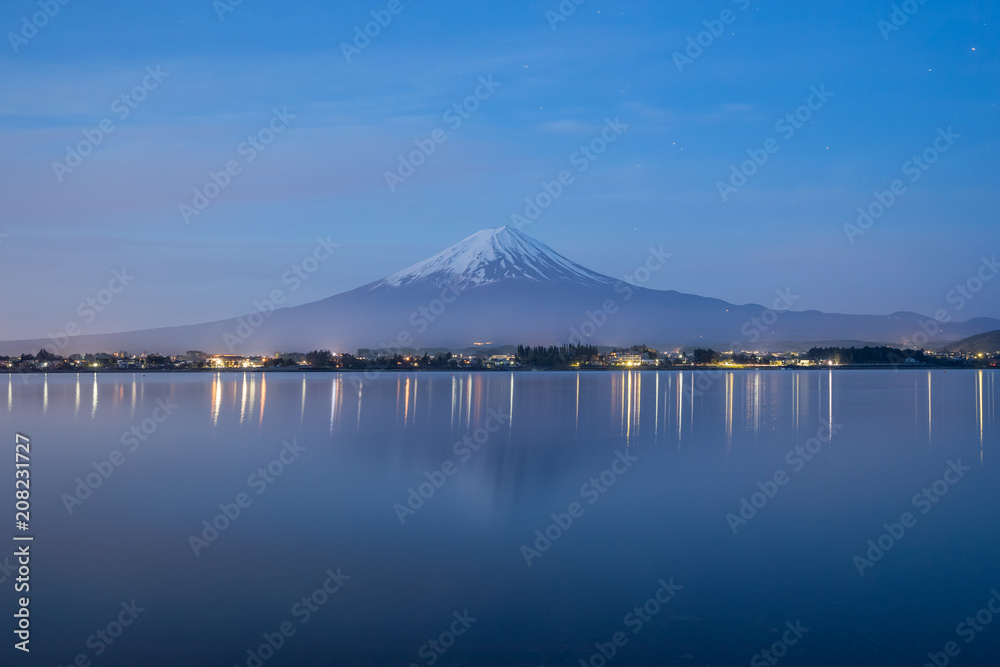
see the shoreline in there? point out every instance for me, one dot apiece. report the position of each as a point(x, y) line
point(538, 369)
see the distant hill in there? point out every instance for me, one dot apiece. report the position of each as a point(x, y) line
point(984, 342)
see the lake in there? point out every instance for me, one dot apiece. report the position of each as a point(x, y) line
point(820, 517)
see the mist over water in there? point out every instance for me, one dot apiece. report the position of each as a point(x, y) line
point(512, 518)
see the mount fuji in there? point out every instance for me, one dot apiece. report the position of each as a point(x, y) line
point(501, 286)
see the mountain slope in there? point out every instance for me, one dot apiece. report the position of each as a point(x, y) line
point(986, 343)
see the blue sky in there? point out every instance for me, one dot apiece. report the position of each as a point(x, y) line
point(657, 184)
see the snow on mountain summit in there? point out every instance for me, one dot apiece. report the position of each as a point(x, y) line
point(491, 255)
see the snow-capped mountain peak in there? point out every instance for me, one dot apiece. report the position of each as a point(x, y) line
point(492, 255)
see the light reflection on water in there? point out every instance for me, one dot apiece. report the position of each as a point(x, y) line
point(701, 442)
point(675, 401)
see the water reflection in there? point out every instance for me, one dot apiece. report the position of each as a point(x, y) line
point(979, 410)
point(730, 382)
point(510, 416)
point(753, 403)
point(688, 406)
point(680, 407)
point(406, 402)
point(263, 398)
point(361, 384)
point(656, 400)
point(510, 407)
point(253, 391)
point(629, 402)
point(576, 418)
point(454, 399)
point(930, 412)
point(243, 398)
point(829, 391)
point(507, 489)
point(691, 411)
point(468, 402)
point(335, 400)
point(216, 398)
point(796, 378)
point(302, 411)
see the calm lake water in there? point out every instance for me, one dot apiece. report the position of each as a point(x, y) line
point(689, 528)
